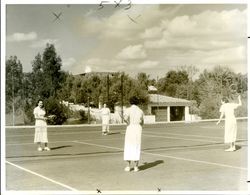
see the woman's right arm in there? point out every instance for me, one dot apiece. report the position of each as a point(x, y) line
point(221, 115)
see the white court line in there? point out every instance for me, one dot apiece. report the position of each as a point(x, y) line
point(184, 135)
point(99, 145)
point(197, 140)
point(201, 140)
point(167, 156)
point(197, 161)
point(39, 175)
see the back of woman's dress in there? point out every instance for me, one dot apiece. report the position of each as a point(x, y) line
point(132, 146)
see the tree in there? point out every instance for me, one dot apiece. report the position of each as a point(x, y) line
point(14, 80)
point(65, 93)
point(44, 82)
point(188, 87)
point(37, 76)
point(170, 83)
point(143, 79)
point(51, 69)
point(212, 86)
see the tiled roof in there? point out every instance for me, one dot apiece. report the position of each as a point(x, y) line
point(166, 100)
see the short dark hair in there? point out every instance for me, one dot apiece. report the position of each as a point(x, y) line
point(134, 100)
point(225, 99)
point(40, 100)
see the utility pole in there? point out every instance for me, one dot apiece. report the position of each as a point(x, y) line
point(88, 112)
point(157, 85)
point(13, 97)
point(108, 90)
point(122, 78)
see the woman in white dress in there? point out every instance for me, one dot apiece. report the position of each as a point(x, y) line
point(105, 112)
point(133, 116)
point(40, 127)
point(227, 109)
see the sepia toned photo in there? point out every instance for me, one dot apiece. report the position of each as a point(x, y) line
point(124, 97)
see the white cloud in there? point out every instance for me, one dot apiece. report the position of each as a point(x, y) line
point(99, 65)
point(148, 64)
point(132, 52)
point(226, 56)
point(119, 25)
point(209, 30)
point(43, 42)
point(18, 37)
point(88, 69)
point(154, 32)
point(67, 63)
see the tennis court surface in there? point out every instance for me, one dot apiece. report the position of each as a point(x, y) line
point(175, 157)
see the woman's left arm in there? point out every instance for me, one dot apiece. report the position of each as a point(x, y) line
point(239, 99)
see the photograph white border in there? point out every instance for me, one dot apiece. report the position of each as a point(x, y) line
point(3, 60)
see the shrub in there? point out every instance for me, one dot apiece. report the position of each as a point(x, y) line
point(83, 115)
point(56, 112)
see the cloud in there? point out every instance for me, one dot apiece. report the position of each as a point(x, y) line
point(88, 69)
point(148, 64)
point(119, 25)
point(231, 55)
point(154, 32)
point(68, 63)
point(99, 65)
point(18, 37)
point(208, 30)
point(43, 42)
point(132, 52)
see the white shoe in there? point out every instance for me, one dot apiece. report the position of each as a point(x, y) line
point(47, 148)
point(39, 149)
point(127, 169)
point(136, 169)
point(230, 149)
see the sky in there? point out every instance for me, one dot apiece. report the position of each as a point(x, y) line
point(150, 38)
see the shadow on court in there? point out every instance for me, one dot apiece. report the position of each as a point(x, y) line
point(113, 133)
point(60, 147)
point(238, 147)
point(150, 165)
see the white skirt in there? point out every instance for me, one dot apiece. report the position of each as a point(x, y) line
point(105, 119)
point(132, 146)
point(41, 132)
point(230, 130)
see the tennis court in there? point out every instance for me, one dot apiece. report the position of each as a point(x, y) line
point(175, 157)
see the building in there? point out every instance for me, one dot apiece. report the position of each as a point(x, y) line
point(168, 109)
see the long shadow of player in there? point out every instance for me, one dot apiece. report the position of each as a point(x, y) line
point(150, 165)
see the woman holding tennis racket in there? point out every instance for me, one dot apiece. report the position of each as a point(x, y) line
point(227, 109)
point(40, 127)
